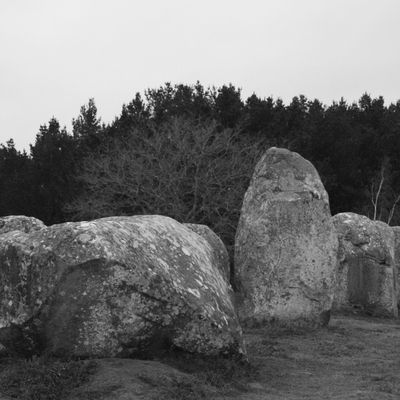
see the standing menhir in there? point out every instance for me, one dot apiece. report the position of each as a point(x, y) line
point(366, 277)
point(286, 245)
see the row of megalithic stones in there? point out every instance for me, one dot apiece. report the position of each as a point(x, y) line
point(133, 286)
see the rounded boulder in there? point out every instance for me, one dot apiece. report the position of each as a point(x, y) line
point(117, 286)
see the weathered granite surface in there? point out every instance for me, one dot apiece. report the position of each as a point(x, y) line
point(366, 276)
point(118, 286)
point(286, 245)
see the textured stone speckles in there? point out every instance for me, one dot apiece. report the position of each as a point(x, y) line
point(83, 238)
point(119, 286)
point(285, 247)
point(366, 270)
point(20, 223)
point(215, 247)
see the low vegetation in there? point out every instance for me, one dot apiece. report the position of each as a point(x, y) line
point(206, 379)
point(355, 357)
point(42, 378)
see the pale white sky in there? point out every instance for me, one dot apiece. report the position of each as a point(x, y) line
point(56, 54)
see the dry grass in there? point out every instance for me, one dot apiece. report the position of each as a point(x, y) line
point(354, 358)
point(41, 378)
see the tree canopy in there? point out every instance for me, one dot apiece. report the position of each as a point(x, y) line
point(188, 152)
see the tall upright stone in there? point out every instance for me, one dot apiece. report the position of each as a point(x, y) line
point(286, 245)
point(366, 270)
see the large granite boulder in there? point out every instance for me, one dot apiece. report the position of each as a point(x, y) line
point(365, 278)
point(20, 223)
point(118, 286)
point(286, 245)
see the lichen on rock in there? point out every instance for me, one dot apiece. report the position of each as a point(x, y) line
point(366, 269)
point(215, 247)
point(20, 223)
point(118, 286)
point(285, 246)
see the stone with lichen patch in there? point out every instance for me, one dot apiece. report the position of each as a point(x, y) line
point(285, 246)
point(20, 223)
point(366, 265)
point(117, 286)
point(215, 247)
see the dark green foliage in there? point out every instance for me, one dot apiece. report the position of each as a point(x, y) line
point(53, 169)
point(228, 106)
point(87, 125)
point(353, 146)
point(180, 101)
point(16, 188)
point(259, 115)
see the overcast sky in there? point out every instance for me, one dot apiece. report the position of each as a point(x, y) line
point(56, 54)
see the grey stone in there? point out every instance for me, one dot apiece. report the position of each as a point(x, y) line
point(365, 277)
point(216, 247)
point(20, 223)
point(118, 286)
point(286, 245)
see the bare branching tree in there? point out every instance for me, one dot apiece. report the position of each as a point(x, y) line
point(193, 172)
point(375, 193)
point(392, 209)
point(383, 197)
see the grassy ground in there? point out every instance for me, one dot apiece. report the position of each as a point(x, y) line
point(354, 358)
point(42, 379)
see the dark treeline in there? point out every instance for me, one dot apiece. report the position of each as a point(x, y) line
point(189, 152)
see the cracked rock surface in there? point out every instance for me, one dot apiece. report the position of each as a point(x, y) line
point(286, 245)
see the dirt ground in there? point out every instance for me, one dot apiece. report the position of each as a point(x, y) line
point(353, 358)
